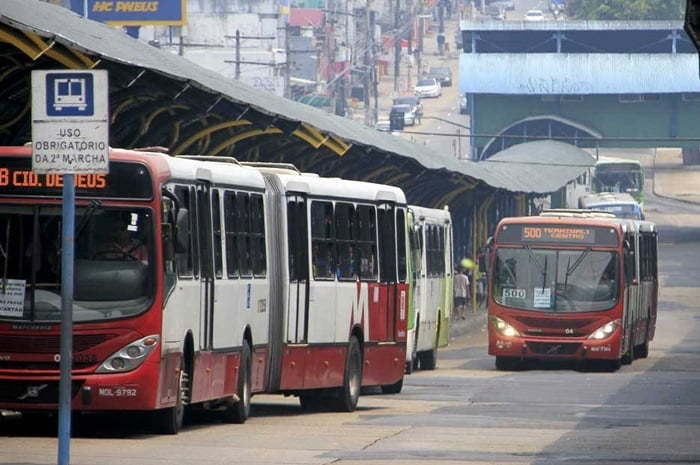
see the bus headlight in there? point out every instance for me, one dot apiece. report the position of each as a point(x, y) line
point(130, 356)
point(604, 331)
point(504, 328)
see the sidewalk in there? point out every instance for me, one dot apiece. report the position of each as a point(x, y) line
point(675, 180)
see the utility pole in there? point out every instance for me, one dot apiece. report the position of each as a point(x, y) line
point(397, 44)
point(287, 62)
point(411, 20)
point(373, 69)
point(367, 68)
point(419, 58)
point(238, 54)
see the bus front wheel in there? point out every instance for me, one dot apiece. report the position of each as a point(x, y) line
point(348, 394)
point(170, 420)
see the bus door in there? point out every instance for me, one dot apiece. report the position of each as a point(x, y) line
point(298, 257)
point(382, 320)
point(631, 293)
point(203, 222)
point(402, 286)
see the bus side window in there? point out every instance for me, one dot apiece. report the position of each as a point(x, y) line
point(184, 260)
point(242, 228)
point(630, 260)
point(367, 242)
point(230, 226)
point(322, 240)
point(257, 233)
point(401, 243)
point(216, 222)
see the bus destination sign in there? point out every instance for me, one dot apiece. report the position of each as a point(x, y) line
point(557, 234)
point(125, 180)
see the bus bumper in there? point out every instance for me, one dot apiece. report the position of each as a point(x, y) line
point(135, 390)
point(554, 348)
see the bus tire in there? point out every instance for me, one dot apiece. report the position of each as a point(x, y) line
point(348, 394)
point(310, 401)
point(393, 388)
point(239, 411)
point(642, 350)
point(428, 359)
point(613, 365)
point(628, 356)
point(507, 363)
point(170, 420)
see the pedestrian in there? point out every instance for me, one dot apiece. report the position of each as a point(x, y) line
point(461, 292)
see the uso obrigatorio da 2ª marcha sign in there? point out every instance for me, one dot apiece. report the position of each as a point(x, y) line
point(134, 12)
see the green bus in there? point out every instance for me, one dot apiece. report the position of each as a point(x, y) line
point(619, 175)
point(430, 285)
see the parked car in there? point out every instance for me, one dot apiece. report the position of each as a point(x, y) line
point(463, 107)
point(414, 102)
point(443, 74)
point(428, 87)
point(383, 125)
point(409, 113)
point(534, 15)
point(494, 12)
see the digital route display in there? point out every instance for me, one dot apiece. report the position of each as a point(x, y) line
point(125, 180)
point(556, 234)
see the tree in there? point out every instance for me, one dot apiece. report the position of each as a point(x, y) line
point(626, 9)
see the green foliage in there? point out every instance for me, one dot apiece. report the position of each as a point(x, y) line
point(626, 9)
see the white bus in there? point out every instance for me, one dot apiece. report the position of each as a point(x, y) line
point(217, 289)
point(431, 301)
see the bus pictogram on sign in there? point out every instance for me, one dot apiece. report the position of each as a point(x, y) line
point(69, 94)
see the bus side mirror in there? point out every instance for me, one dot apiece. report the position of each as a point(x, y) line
point(182, 231)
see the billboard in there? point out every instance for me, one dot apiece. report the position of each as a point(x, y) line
point(134, 12)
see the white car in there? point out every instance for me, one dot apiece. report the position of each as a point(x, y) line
point(428, 87)
point(383, 125)
point(534, 15)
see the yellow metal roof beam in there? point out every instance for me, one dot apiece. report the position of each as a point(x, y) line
point(245, 135)
point(65, 59)
point(180, 149)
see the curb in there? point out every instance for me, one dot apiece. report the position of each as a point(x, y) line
point(474, 321)
point(663, 196)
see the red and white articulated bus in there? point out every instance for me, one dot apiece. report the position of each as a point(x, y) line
point(197, 284)
point(572, 284)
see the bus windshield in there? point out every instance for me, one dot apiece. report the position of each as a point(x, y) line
point(616, 178)
point(113, 275)
point(547, 280)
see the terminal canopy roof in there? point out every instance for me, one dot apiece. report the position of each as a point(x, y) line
point(161, 99)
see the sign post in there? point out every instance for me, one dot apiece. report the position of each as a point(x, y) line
point(70, 135)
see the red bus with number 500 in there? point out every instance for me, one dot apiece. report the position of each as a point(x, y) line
point(572, 285)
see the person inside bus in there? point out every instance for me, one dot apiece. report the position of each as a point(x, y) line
point(119, 242)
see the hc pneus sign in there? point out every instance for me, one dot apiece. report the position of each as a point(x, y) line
point(70, 126)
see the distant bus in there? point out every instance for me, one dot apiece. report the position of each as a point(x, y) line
point(622, 205)
point(572, 285)
point(431, 299)
point(619, 175)
point(227, 280)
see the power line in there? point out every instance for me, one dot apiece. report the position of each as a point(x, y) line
point(562, 138)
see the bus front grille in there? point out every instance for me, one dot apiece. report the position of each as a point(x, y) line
point(48, 344)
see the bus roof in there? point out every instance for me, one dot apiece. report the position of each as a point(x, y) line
point(607, 198)
point(336, 187)
point(607, 161)
point(431, 214)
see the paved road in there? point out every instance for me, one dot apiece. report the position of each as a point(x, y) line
point(463, 413)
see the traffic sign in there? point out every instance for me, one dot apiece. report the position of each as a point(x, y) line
point(70, 122)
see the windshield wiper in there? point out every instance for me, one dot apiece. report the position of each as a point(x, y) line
point(91, 209)
point(570, 269)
